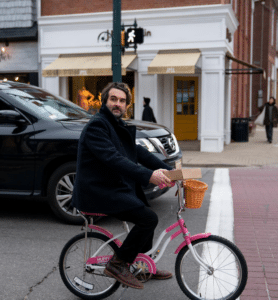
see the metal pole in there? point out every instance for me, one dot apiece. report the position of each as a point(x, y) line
point(116, 42)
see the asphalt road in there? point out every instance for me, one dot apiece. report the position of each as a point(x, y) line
point(32, 240)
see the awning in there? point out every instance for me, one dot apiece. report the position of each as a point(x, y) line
point(85, 65)
point(252, 69)
point(174, 62)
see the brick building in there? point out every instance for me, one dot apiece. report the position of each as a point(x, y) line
point(264, 52)
point(195, 97)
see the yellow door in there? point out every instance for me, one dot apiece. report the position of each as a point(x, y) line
point(186, 110)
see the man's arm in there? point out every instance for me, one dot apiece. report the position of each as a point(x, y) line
point(99, 144)
point(149, 160)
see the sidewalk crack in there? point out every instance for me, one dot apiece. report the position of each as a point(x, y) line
point(266, 285)
point(31, 289)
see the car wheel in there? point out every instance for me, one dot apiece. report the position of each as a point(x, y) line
point(59, 191)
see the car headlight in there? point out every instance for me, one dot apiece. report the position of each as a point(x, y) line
point(146, 144)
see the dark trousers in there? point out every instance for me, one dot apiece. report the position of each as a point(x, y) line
point(140, 238)
point(269, 131)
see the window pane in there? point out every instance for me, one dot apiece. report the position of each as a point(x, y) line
point(185, 97)
point(179, 97)
point(179, 109)
point(185, 85)
point(191, 109)
point(185, 109)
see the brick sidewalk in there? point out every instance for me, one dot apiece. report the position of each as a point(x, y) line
point(255, 228)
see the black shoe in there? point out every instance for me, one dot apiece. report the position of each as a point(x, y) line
point(119, 269)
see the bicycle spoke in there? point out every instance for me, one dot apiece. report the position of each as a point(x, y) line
point(225, 275)
point(81, 281)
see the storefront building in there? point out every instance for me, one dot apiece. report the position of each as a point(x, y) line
point(180, 66)
point(265, 52)
point(19, 41)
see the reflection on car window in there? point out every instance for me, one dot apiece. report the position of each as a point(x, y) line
point(46, 105)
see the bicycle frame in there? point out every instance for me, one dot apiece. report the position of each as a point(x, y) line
point(156, 254)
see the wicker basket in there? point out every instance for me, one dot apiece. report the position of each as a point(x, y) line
point(194, 192)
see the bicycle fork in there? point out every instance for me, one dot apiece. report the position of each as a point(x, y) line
point(187, 239)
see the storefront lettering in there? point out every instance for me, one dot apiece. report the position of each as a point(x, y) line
point(82, 72)
point(170, 70)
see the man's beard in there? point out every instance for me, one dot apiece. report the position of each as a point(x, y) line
point(119, 114)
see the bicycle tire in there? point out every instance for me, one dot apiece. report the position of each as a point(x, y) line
point(89, 285)
point(229, 270)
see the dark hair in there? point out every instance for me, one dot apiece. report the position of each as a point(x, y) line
point(116, 85)
point(147, 100)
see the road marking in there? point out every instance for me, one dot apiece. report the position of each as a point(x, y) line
point(220, 222)
point(220, 219)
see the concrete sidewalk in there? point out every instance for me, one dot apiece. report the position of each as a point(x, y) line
point(256, 152)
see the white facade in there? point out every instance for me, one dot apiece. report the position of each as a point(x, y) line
point(23, 57)
point(197, 27)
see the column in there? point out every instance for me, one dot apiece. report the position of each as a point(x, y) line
point(51, 84)
point(212, 101)
point(64, 87)
point(146, 86)
point(228, 84)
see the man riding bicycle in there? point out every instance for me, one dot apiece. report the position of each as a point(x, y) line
point(110, 171)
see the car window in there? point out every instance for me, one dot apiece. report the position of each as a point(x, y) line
point(45, 105)
point(4, 106)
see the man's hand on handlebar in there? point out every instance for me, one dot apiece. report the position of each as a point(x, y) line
point(159, 178)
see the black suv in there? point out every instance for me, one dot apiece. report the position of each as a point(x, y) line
point(39, 135)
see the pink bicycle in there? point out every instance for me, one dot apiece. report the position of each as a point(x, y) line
point(207, 266)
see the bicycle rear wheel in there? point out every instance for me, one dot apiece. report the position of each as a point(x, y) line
point(86, 284)
point(228, 265)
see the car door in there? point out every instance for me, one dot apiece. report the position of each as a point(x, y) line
point(17, 159)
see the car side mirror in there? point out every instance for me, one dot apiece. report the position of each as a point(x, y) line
point(11, 116)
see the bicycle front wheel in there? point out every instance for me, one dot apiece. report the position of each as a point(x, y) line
point(90, 284)
point(228, 275)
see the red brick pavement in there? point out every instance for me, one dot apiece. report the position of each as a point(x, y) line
point(255, 196)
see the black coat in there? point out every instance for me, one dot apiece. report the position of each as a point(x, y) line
point(109, 178)
point(148, 114)
point(274, 114)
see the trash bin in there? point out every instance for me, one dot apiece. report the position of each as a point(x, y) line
point(240, 129)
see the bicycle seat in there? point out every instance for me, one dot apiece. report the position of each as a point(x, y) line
point(93, 214)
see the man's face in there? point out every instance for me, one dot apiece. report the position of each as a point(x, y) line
point(116, 102)
point(271, 100)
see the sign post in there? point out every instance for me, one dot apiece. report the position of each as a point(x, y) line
point(116, 42)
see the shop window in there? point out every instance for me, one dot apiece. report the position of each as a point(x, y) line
point(92, 87)
point(31, 78)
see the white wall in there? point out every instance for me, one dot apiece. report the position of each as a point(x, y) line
point(196, 27)
point(23, 57)
point(172, 28)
